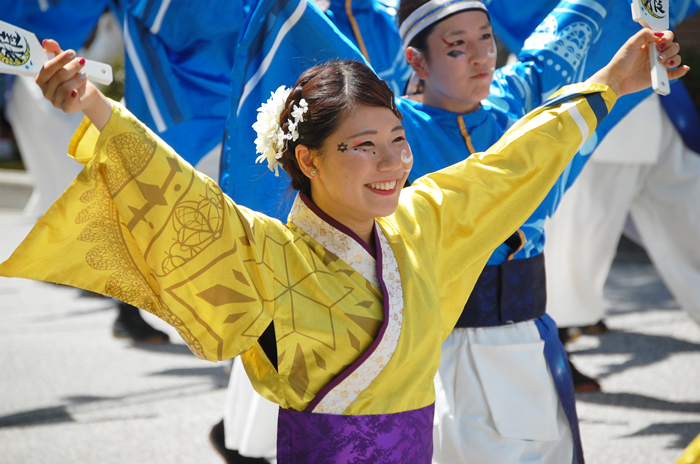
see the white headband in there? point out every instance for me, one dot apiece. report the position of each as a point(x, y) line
point(432, 12)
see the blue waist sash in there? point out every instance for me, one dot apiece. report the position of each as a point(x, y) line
point(558, 363)
point(399, 438)
point(514, 291)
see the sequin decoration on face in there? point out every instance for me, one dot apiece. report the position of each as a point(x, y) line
point(342, 147)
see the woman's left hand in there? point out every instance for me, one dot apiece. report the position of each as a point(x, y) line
point(629, 70)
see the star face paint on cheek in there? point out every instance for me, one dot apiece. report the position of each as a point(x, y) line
point(342, 147)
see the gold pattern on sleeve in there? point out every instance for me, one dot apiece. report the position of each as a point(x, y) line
point(369, 324)
point(137, 147)
point(145, 198)
point(354, 342)
point(153, 231)
point(195, 225)
point(220, 294)
point(127, 283)
point(225, 294)
point(320, 362)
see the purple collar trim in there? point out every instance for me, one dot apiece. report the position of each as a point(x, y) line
point(363, 357)
point(344, 229)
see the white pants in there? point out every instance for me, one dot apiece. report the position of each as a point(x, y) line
point(663, 201)
point(250, 421)
point(43, 134)
point(496, 401)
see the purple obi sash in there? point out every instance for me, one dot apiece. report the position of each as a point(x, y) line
point(401, 438)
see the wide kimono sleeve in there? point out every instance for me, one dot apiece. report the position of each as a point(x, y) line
point(454, 218)
point(141, 225)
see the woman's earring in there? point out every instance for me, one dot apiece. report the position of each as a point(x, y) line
point(313, 172)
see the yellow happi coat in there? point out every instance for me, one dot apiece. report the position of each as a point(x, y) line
point(143, 226)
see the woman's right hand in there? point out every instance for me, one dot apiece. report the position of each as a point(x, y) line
point(64, 84)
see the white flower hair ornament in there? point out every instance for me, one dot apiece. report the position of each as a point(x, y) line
point(272, 140)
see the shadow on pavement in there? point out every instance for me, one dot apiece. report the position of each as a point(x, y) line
point(170, 348)
point(636, 401)
point(102, 307)
point(685, 432)
point(49, 415)
point(643, 349)
point(37, 417)
point(216, 374)
point(641, 281)
point(82, 403)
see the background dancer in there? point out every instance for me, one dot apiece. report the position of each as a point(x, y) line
point(654, 177)
point(520, 408)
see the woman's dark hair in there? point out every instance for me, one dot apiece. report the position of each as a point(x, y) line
point(420, 41)
point(406, 7)
point(332, 90)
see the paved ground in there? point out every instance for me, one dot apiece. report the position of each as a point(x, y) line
point(649, 366)
point(70, 393)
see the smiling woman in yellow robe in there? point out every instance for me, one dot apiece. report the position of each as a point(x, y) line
point(340, 313)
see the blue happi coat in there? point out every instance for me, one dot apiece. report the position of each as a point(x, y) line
point(375, 35)
point(178, 61)
point(178, 58)
point(49, 19)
